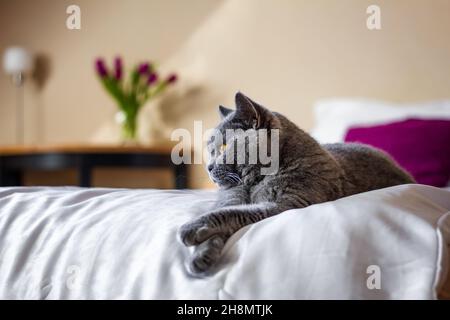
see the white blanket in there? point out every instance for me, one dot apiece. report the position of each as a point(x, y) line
point(73, 243)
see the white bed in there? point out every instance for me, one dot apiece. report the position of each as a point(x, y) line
point(73, 243)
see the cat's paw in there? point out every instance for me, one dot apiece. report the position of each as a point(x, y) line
point(196, 232)
point(205, 256)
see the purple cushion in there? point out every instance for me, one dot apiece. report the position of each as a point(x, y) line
point(422, 147)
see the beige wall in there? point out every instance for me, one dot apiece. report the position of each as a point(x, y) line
point(286, 54)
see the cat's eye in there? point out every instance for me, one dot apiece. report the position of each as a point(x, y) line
point(222, 148)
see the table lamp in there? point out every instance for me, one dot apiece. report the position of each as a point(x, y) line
point(17, 62)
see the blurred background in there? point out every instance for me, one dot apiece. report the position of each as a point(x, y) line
point(286, 54)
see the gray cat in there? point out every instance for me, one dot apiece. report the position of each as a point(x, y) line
point(308, 173)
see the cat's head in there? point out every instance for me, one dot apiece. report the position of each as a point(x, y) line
point(233, 147)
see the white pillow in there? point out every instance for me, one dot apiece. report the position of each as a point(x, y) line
point(333, 117)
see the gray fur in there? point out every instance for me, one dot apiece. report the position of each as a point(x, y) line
point(308, 173)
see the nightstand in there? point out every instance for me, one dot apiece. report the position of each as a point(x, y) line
point(14, 160)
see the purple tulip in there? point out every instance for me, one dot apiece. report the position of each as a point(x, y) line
point(101, 68)
point(152, 78)
point(144, 68)
point(172, 78)
point(118, 69)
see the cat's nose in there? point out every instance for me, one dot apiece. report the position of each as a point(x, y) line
point(210, 167)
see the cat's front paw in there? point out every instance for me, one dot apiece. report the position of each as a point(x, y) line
point(205, 256)
point(196, 232)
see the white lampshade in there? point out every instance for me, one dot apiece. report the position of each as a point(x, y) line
point(17, 60)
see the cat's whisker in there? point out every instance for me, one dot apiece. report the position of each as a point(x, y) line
point(229, 179)
point(232, 177)
point(235, 176)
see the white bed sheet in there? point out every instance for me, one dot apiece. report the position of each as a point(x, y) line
point(74, 243)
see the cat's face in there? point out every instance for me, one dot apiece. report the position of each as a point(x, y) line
point(232, 147)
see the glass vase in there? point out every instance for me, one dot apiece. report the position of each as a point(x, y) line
point(128, 124)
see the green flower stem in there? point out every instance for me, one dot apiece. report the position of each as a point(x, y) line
point(129, 126)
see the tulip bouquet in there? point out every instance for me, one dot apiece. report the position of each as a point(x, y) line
point(143, 84)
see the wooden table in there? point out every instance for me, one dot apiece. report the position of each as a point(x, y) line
point(14, 160)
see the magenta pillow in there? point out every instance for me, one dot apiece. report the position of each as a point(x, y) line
point(422, 147)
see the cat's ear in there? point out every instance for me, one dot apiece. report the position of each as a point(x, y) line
point(223, 111)
point(249, 109)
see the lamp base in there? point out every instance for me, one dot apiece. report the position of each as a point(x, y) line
point(18, 79)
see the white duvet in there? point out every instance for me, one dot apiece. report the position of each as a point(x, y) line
point(73, 243)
